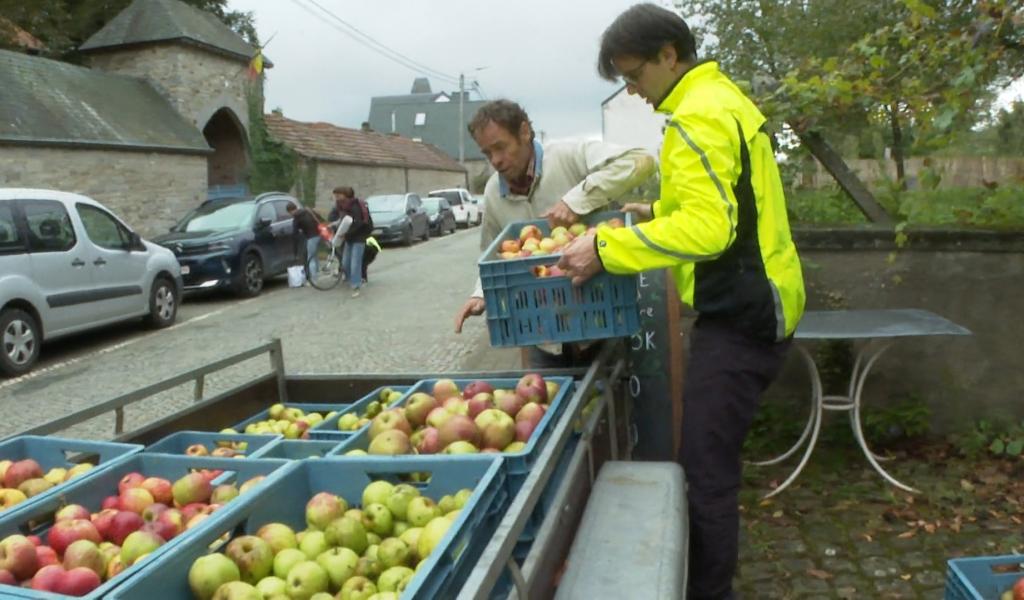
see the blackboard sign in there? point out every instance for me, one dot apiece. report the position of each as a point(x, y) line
point(655, 362)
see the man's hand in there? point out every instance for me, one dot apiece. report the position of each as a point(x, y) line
point(560, 214)
point(579, 260)
point(474, 307)
point(643, 212)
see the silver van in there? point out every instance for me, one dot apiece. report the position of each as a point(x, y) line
point(67, 264)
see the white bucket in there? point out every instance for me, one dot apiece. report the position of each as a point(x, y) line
point(296, 276)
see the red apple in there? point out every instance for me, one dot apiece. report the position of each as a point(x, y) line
point(131, 480)
point(192, 509)
point(21, 471)
point(165, 531)
point(524, 429)
point(459, 428)
point(153, 512)
point(77, 582)
point(428, 441)
point(197, 450)
point(210, 474)
point(84, 553)
point(445, 388)
point(65, 533)
point(35, 540)
point(171, 520)
point(510, 404)
point(123, 524)
point(476, 387)
point(72, 511)
point(438, 417)
point(532, 412)
point(47, 577)
point(159, 488)
point(1018, 589)
point(478, 403)
point(111, 502)
point(194, 487)
point(46, 555)
point(6, 578)
point(530, 231)
point(102, 521)
point(510, 245)
point(136, 500)
point(18, 556)
point(531, 388)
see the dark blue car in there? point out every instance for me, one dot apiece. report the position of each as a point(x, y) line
point(235, 243)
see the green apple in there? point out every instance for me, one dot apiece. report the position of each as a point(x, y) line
point(357, 588)
point(400, 527)
point(354, 513)
point(279, 536)
point(372, 539)
point(422, 510)
point(378, 519)
point(272, 586)
point(431, 536)
point(392, 578)
point(339, 564)
point(237, 590)
point(398, 502)
point(392, 552)
point(348, 422)
point(373, 409)
point(313, 544)
point(305, 579)
point(446, 504)
point(385, 596)
point(209, 572)
point(347, 532)
point(285, 561)
point(356, 452)
point(368, 567)
point(462, 497)
point(253, 555)
point(321, 596)
point(411, 538)
point(377, 492)
point(371, 551)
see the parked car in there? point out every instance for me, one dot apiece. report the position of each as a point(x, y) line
point(67, 264)
point(440, 214)
point(398, 218)
point(466, 210)
point(235, 243)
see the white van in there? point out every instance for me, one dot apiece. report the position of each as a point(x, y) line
point(67, 264)
point(464, 205)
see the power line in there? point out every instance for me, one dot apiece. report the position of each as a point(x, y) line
point(370, 43)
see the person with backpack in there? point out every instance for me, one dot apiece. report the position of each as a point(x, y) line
point(346, 204)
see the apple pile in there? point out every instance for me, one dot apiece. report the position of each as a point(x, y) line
point(346, 553)
point(533, 242)
point(222, 448)
point(291, 422)
point(83, 549)
point(1014, 593)
point(353, 421)
point(23, 479)
point(478, 418)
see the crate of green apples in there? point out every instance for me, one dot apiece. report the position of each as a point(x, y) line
point(293, 420)
point(360, 413)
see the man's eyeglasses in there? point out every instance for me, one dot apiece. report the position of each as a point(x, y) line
point(633, 75)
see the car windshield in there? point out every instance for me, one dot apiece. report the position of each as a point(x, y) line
point(217, 217)
point(432, 205)
point(452, 197)
point(385, 204)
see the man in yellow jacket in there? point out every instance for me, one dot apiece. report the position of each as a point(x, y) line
point(720, 225)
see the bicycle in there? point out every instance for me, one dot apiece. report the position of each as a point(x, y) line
point(328, 254)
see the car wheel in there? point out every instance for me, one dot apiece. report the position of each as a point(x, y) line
point(163, 304)
point(19, 341)
point(407, 237)
point(250, 280)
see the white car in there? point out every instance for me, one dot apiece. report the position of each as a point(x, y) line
point(464, 205)
point(67, 264)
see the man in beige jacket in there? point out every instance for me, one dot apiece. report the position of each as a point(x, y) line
point(559, 182)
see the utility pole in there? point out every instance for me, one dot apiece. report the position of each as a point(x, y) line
point(462, 120)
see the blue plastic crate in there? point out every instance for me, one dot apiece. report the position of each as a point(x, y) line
point(177, 443)
point(55, 452)
point(518, 464)
point(441, 576)
point(328, 428)
point(983, 577)
point(300, 449)
point(306, 407)
point(37, 519)
point(524, 310)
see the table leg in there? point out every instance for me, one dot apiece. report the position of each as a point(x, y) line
point(813, 425)
point(811, 418)
point(857, 384)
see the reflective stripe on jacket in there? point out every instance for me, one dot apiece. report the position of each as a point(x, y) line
point(721, 223)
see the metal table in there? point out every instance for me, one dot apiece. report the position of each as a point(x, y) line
point(880, 328)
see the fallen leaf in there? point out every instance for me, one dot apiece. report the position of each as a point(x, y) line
point(906, 576)
point(767, 502)
point(867, 537)
point(907, 534)
point(777, 514)
point(910, 499)
point(1016, 519)
point(819, 574)
point(966, 486)
point(929, 528)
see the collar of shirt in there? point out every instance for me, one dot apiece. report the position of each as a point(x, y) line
point(533, 173)
point(702, 72)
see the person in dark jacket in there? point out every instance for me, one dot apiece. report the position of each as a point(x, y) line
point(306, 225)
point(346, 204)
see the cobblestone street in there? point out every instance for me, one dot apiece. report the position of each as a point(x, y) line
point(402, 322)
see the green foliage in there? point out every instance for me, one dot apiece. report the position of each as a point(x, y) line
point(826, 206)
point(906, 420)
point(1002, 438)
point(273, 165)
point(306, 182)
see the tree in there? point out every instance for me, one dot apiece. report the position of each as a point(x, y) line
point(64, 25)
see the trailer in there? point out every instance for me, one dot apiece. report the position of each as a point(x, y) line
point(580, 487)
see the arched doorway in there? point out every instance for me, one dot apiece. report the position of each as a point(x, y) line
point(226, 166)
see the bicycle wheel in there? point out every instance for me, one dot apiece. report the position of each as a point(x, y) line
point(328, 271)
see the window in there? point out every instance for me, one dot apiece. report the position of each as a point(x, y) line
point(414, 201)
point(103, 229)
point(49, 226)
point(281, 207)
point(266, 211)
point(453, 197)
point(421, 119)
point(10, 236)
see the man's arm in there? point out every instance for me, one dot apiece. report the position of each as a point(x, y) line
point(611, 172)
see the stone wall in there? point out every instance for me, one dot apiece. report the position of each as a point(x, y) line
point(149, 191)
point(955, 171)
point(974, 279)
point(197, 82)
point(367, 180)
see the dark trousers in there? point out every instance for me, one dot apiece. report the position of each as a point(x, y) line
point(725, 377)
point(572, 356)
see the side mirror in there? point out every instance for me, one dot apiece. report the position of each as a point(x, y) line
point(411, 211)
point(263, 223)
point(135, 241)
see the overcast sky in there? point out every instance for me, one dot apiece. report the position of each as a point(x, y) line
point(541, 53)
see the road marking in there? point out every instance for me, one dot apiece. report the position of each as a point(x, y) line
point(60, 365)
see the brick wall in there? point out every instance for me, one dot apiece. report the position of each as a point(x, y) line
point(367, 181)
point(149, 191)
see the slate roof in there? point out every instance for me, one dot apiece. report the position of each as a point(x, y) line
point(327, 142)
point(441, 127)
point(44, 101)
point(148, 21)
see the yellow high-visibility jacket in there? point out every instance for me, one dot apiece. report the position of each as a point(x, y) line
point(720, 223)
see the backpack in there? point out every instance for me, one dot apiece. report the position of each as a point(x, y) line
point(366, 212)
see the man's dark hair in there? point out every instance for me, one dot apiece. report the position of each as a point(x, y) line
point(506, 114)
point(345, 190)
point(642, 31)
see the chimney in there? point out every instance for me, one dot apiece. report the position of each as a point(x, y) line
point(278, 111)
point(366, 127)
